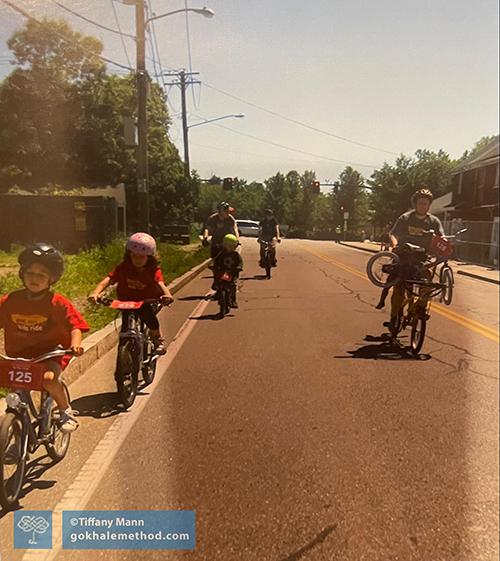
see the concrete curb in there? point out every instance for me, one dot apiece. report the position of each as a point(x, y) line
point(459, 272)
point(100, 342)
point(478, 277)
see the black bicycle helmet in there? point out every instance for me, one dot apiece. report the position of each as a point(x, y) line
point(422, 193)
point(223, 206)
point(44, 254)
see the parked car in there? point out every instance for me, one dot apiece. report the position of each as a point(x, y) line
point(248, 228)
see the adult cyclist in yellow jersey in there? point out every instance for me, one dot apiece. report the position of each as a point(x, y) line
point(411, 227)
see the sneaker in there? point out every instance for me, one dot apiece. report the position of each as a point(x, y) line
point(380, 306)
point(275, 263)
point(68, 421)
point(234, 304)
point(159, 344)
point(261, 264)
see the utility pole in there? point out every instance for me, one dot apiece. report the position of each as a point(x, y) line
point(183, 82)
point(187, 170)
point(142, 126)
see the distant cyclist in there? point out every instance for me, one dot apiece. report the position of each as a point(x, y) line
point(269, 229)
point(411, 227)
point(218, 225)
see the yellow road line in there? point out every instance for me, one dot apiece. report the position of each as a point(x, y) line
point(469, 323)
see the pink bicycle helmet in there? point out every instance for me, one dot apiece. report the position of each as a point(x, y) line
point(141, 243)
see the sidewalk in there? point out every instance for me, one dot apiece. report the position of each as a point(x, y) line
point(479, 272)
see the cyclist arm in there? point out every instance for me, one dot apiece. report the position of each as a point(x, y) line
point(166, 292)
point(235, 228)
point(101, 287)
point(278, 234)
point(76, 342)
point(393, 240)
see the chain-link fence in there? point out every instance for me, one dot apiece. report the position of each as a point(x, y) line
point(479, 244)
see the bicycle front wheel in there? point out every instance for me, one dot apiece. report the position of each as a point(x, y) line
point(446, 278)
point(268, 267)
point(126, 374)
point(12, 459)
point(58, 441)
point(149, 368)
point(418, 333)
point(381, 269)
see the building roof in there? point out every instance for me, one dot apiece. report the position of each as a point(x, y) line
point(487, 156)
point(439, 205)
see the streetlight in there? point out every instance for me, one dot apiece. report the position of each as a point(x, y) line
point(207, 12)
point(186, 127)
point(142, 150)
point(236, 116)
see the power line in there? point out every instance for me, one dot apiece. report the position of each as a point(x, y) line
point(301, 124)
point(289, 148)
point(120, 30)
point(31, 18)
point(110, 29)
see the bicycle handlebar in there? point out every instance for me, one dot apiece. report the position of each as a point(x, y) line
point(40, 358)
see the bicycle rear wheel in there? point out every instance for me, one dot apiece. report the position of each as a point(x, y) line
point(418, 332)
point(58, 440)
point(446, 278)
point(126, 374)
point(12, 462)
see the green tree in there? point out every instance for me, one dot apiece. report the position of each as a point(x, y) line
point(478, 146)
point(38, 108)
point(393, 185)
point(353, 198)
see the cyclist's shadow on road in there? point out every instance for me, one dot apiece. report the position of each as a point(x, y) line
point(98, 405)
point(387, 349)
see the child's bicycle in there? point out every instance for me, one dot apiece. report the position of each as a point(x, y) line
point(25, 427)
point(136, 349)
point(226, 291)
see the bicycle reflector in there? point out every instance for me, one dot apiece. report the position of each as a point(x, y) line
point(441, 246)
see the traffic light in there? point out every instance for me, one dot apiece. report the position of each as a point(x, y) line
point(227, 183)
point(315, 185)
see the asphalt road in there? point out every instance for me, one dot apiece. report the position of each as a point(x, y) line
point(294, 429)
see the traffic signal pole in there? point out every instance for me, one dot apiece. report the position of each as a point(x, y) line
point(142, 130)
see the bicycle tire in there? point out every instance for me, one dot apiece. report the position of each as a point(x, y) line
point(268, 267)
point(59, 442)
point(222, 302)
point(148, 370)
point(10, 486)
point(126, 374)
point(380, 279)
point(446, 277)
point(418, 335)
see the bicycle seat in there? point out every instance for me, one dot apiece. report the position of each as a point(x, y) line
point(412, 248)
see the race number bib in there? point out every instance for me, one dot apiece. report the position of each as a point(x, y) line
point(19, 375)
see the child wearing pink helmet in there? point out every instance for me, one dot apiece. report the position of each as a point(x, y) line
point(138, 277)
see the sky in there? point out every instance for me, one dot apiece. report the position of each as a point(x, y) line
point(389, 76)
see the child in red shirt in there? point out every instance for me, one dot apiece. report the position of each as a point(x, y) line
point(138, 277)
point(36, 320)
